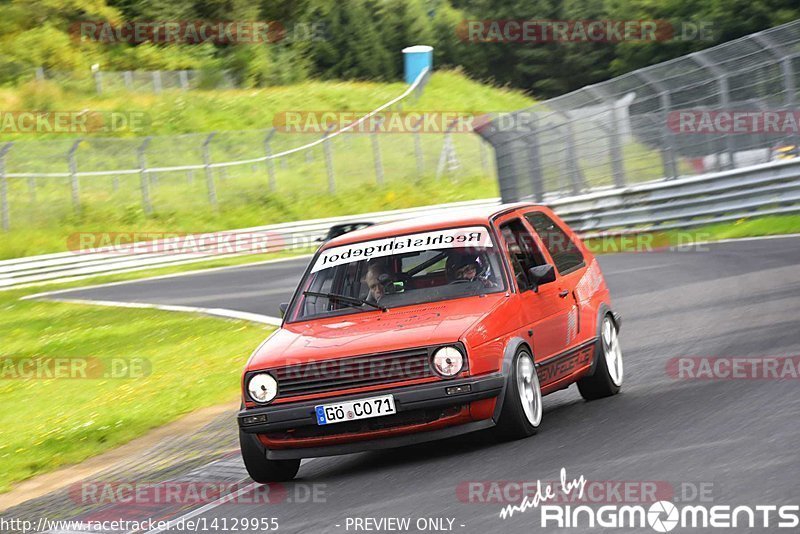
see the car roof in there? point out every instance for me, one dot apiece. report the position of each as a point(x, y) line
point(448, 218)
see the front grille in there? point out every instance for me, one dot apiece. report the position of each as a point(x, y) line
point(346, 373)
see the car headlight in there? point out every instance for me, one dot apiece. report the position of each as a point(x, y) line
point(448, 361)
point(262, 387)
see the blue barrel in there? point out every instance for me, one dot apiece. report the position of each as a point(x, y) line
point(415, 59)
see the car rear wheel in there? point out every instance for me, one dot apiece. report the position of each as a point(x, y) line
point(259, 467)
point(522, 404)
point(608, 374)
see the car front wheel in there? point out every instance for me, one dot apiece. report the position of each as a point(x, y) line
point(261, 469)
point(522, 404)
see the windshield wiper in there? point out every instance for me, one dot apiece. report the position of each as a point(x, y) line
point(353, 301)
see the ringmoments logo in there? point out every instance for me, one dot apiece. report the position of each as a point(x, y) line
point(555, 502)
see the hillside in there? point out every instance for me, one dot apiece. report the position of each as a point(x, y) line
point(43, 218)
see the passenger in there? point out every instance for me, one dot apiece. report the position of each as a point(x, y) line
point(466, 268)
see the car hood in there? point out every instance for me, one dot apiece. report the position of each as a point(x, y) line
point(373, 332)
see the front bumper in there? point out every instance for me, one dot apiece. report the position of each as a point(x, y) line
point(284, 417)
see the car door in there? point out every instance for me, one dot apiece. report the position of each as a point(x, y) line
point(543, 311)
point(568, 260)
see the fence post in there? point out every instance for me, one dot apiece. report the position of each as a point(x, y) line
point(40, 74)
point(269, 161)
point(448, 159)
point(32, 189)
point(183, 76)
point(128, 77)
point(6, 217)
point(75, 185)
point(376, 153)
point(326, 146)
point(535, 160)
point(574, 172)
point(98, 81)
point(722, 82)
point(143, 178)
point(157, 81)
point(484, 155)
point(508, 155)
point(785, 57)
point(212, 190)
point(667, 139)
point(615, 149)
point(614, 145)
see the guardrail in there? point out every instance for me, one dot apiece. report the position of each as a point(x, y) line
point(767, 189)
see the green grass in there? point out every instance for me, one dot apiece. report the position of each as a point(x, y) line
point(49, 423)
point(251, 208)
point(770, 225)
point(178, 112)
point(42, 215)
point(649, 241)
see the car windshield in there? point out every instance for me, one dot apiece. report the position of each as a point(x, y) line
point(399, 271)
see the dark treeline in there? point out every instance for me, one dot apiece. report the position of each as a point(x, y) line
point(362, 39)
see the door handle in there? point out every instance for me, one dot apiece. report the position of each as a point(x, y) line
point(563, 293)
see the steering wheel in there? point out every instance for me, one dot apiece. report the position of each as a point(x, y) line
point(460, 281)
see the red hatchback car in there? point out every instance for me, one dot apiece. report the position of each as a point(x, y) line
point(425, 329)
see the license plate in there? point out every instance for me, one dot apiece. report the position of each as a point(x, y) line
point(353, 410)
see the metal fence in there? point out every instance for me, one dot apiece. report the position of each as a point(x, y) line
point(629, 130)
point(41, 181)
point(138, 81)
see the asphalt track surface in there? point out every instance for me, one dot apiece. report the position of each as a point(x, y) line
point(737, 439)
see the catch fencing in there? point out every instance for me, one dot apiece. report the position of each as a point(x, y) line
point(138, 81)
point(730, 106)
point(42, 182)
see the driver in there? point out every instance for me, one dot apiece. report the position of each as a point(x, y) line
point(466, 267)
point(376, 279)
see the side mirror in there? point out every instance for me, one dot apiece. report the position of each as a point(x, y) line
point(283, 306)
point(541, 274)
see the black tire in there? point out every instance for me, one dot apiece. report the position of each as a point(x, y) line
point(259, 467)
point(514, 423)
point(601, 384)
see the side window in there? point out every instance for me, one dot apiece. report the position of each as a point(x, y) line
point(564, 252)
point(522, 251)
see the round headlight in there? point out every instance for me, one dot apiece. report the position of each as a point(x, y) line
point(448, 361)
point(262, 387)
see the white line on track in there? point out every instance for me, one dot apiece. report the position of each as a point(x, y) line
point(210, 506)
point(643, 268)
point(203, 509)
point(160, 277)
point(217, 312)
